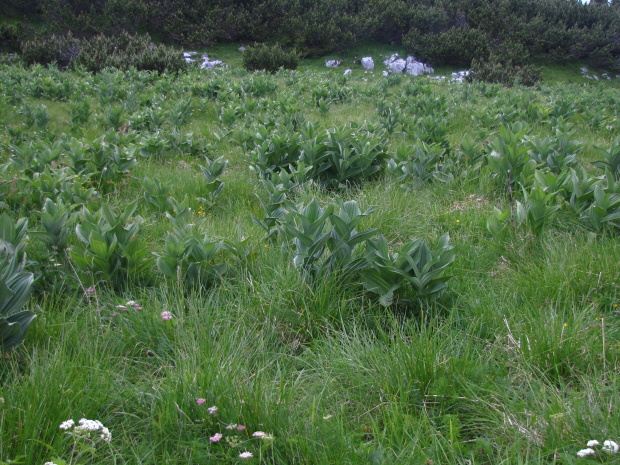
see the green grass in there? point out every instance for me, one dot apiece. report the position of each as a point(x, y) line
point(516, 363)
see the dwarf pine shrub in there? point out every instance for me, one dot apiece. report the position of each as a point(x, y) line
point(269, 58)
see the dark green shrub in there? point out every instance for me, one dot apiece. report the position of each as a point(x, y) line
point(10, 35)
point(457, 47)
point(125, 51)
point(61, 49)
point(508, 65)
point(507, 74)
point(607, 57)
point(269, 58)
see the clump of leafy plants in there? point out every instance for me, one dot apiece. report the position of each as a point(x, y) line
point(15, 283)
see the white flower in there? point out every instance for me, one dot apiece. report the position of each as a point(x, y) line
point(105, 435)
point(245, 455)
point(585, 452)
point(67, 424)
point(131, 302)
point(212, 410)
point(259, 434)
point(610, 446)
point(89, 425)
point(593, 443)
point(49, 463)
point(232, 426)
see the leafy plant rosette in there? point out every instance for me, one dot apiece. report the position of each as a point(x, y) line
point(15, 284)
point(416, 265)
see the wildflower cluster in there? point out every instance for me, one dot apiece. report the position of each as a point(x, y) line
point(609, 447)
point(232, 440)
point(166, 316)
point(87, 429)
point(130, 305)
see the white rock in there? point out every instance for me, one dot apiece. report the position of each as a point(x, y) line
point(368, 63)
point(460, 75)
point(390, 59)
point(416, 67)
point(347, 72)
point(397, 66)
point(332, 63)
point(188, 57)
point(409, 66)
point(210, 64)
point(241, 49)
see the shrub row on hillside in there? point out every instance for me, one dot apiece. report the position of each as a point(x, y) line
point(442, 32)
point(123, 52)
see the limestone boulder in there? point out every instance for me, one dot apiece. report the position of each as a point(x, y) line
point(368, 63)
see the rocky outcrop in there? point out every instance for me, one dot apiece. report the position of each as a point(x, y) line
point(410, 65)
point(210, 64)
point(460, 75)
point(206, 63)
point(417, 68)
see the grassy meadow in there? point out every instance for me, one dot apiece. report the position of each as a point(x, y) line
point(413, 271)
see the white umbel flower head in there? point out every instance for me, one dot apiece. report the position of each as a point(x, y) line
point(593, 443)
point(585, 452)
point(88, 429)
point(67, 424)
point(611, 447)
point(89, 425)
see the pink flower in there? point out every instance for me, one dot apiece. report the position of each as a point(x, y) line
point(212, 410)
point(245, 455)
point(216, 437)
point(240, 428)
point(166, 316)
point(259, 434)
point(90, 289)
point(201, 401)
